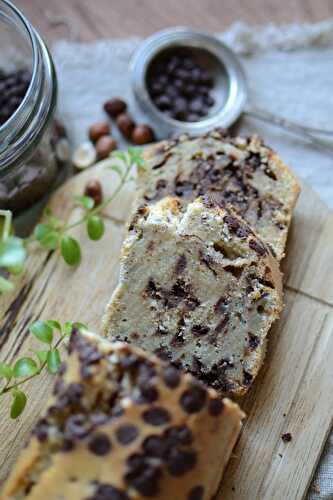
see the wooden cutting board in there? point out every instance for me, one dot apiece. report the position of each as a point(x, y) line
point(293, 392)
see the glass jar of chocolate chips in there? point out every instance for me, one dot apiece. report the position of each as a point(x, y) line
point(32, 143)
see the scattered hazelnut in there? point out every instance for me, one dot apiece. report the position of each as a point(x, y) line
point(94, 190)
point(142, 134)
point(114, 107)
point(97, 130)
point(84, 156)
point(125, 125)
point(104, 146)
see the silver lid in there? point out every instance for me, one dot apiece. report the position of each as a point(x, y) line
point(229, 92)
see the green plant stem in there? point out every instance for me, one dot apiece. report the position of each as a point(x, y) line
point(7, 214)
point(8, 387)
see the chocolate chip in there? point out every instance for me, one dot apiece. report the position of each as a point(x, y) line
point(108, 492)
point(180, 462)
point(41, 430)
point(248, 377)
point(155, 446)
point(143, 476)
point(234, 270)
point(221, 304)
point(67, 445)
point(126, 434)
point(199, 330)
point(193, 399)
point(196, 493)
point(222, 324)
point(171, 377)
point(287, 437)
point(156, 416)
point(77, 426)
point(100, 444)
point(254, 341)
point(180, 265)
point(257, 247)
point(179, 435)
point(148, 394)
point(215, 407)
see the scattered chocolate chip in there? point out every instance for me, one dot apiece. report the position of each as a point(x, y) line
point(156, 416)
point(254, 341)
point(171, 377)
point(196, 493)
point(180, 265)
point(236, 271)
point(143, 476)
point(114, 107)
point(179, 435)
point(248, 377)
point(155, 446)
point(77, 426)
point(108, 492)
point(257, 247)
point(215, 407)
point(199, 330)
point(41, 430)
point(193, 399)
point(98, 129)
point(100, 444)
point(67, 445)
point(180, 462)
point(222, 323)
point(126, 434)
point(287, 437)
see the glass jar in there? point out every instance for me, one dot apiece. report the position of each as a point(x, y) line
point(33, 146)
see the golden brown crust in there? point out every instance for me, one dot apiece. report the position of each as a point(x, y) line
point(86, 445)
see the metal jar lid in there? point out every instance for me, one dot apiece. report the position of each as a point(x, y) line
point(229, 89)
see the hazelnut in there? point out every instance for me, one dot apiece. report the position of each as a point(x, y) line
point(97, 130)
point(93, 189)
point(104, 146)
point(84, 156)
point(142, 134)
point(125, 125)
point(114, 107)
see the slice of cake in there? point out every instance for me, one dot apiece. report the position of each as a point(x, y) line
point(124, 425)
point(242, 171)
point(199, 288)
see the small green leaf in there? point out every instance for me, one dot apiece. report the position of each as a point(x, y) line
point(25, 367)
point(70, 250)
point(95, 227)
point(12, 252)
point(53, 324)
point(120, 155)
point(5, 285)
point(68, 327)
point(18, 404)
point(41, 355)
point(85, 201)
point(53, 360)
point(6, 371)
point(47, 236)
point(42, 331)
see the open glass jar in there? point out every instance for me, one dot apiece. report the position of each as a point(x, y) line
point(32, 143)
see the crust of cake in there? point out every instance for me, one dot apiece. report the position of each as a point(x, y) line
point(169, 436)
point(279, 196)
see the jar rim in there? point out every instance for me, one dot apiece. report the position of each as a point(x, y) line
point(16, 117)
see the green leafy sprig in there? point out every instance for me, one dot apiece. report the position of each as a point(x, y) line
point(50, 334)
point(52, 234)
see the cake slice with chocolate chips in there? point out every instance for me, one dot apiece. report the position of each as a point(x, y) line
point(122, 425)
point(242, 171)
point(199, 288)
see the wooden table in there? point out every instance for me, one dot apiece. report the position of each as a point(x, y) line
point(112, 18)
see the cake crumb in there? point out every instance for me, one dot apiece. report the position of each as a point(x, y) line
point(287, 437)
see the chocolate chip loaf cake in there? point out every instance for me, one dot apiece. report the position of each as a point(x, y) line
point(243, 171)
point(199, 288)
point(124, 425)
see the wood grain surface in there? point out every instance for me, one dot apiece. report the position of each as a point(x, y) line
point(293, 392)
point(89, 20)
